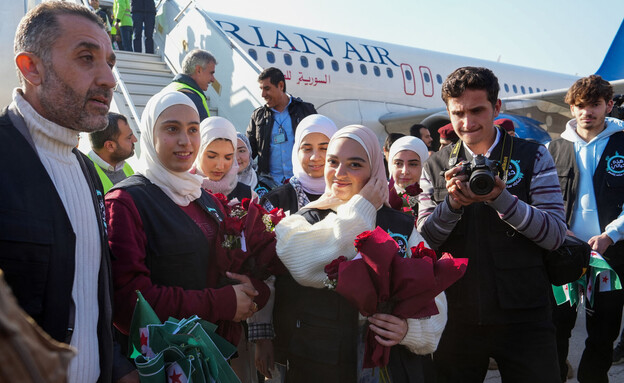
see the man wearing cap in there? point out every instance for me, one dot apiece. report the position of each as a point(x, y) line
point(447, 135)
point(507, 125)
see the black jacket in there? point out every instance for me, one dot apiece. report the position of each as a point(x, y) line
point(506, 280)
point(317, 329)
point(608, 186)
point(261, 124)
point(37, 243)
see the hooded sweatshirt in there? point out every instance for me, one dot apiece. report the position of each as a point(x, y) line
point(585, 215)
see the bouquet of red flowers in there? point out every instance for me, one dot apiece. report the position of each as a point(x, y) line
point(379, 280)
point(248, 238)
point(405, 201)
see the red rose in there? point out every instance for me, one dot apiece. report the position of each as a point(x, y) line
point(361, 238)
point(245, 203)
point(413, 190)
point(276, 215)
point(222, 198)
point(332, 269)
point(233, 225)
point(421, 251)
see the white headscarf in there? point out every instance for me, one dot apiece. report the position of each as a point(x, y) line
point(368, 140)
point(248, 176)
point(181, 187)
point(314, 123)
point(412, 143)
point(213, 128)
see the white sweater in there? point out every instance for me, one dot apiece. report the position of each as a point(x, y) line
point(305, 249)
point(54, 145)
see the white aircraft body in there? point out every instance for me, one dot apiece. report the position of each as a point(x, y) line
point(381, 85)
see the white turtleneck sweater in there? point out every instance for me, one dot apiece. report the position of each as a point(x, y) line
point(54, 145)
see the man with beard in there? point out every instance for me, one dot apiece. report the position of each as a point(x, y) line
point(53, 245)
point(111, 148)
point(271, 131)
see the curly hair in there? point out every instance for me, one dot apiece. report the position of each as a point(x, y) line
point(589, 89)
point(474, 78)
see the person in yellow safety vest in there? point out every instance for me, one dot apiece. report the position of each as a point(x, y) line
point(110, 149)
point(122, 19)
point(198, 69)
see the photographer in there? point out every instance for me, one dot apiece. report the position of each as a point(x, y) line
point(500, 308)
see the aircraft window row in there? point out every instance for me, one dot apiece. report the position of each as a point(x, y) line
point(320, 64)
point(523, 90)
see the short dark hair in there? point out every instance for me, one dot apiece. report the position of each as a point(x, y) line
point(473, 78)
point(415, 130)
point(589, 89)
point(390, 140)
point(274, 75)
point(110, 133)
point(39, 28)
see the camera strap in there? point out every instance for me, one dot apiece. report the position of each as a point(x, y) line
point(504, 157)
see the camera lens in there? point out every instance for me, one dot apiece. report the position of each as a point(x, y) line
point(481, 182)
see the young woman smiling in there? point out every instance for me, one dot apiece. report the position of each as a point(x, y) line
point(163, 228)
point(323, 328)
point(217, 163)
point(406, 158)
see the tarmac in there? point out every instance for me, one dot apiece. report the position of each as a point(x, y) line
point(577, 345)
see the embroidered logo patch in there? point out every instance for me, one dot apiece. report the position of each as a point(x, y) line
point(615, 165)
point(401, 240)
point(514, 175)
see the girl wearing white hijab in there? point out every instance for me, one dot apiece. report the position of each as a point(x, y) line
point(247, 168)
point(217, 163)
point(355, 200)
point(406, 157)
point(163, 228)
point(308, 160)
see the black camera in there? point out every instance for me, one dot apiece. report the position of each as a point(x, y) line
point(481, 173)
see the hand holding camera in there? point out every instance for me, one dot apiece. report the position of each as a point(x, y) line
point(474, 181)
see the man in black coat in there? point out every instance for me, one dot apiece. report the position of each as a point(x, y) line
point(53, 245)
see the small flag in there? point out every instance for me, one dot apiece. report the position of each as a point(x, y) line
point(138, 342)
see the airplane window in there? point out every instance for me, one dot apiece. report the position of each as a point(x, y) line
point(335, 66)
point(363, 69)
point(537, 89)
point(515, 88)
point(270, 57)
point(426, 76)
point(439, 78)
point(287, 59)
point(522, 89)
point(253, 54)
point(530, 90)
point(408, 75)
point(389, 72)
point(349, 67)
point(506, 88)
point(376, 71)
point(304, 61)
point(319, 63)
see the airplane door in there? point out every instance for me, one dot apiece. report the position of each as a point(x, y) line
point(427, 81)
point(409, 82)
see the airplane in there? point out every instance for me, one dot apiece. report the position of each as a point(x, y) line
point(391, 87)
point(384, 86)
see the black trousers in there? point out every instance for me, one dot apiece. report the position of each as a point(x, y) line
point(525, 352)
point(603, 321)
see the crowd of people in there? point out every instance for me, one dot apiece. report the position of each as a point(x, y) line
point(81, 233)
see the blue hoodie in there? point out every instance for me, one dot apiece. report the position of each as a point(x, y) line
point(585, 215)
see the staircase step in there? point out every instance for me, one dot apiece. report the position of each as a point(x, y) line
point(132, 56)
point(146, 66)
point(146, 78)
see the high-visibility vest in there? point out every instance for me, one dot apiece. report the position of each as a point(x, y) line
point(106, 182)
point(179, 86)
